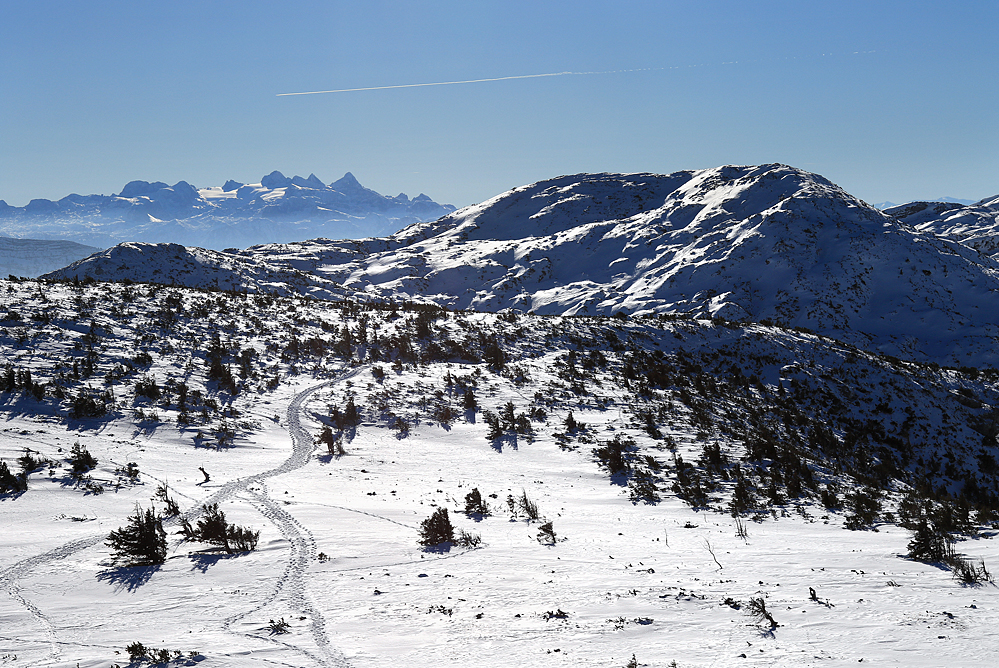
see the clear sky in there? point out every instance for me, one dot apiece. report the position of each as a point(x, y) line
point(893, 100)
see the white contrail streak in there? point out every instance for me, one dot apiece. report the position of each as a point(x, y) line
point(436, 83)
point(531, 76)
point(451, 83)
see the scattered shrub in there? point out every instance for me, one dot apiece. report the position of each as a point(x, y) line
point(466, 539)
point(81, 460)
point(546, 534)
point(278, 627)
point(162, 493)
point(757, 609)
point(528, 507)
point(213, 529)
point(10, 482)
point(142, 541)
point(474, 505)
point(930, 545)
point(437, 529)
point(147, 387)
point(968, 573)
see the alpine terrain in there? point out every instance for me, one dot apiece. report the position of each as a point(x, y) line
point(727, 417)
point(279, 208)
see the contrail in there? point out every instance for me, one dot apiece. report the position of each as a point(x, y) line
point(548, 74)
point(451, 83)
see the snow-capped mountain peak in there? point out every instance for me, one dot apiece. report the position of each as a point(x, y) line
point(277, 209)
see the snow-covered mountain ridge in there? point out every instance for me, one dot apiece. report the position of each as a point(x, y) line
point(975, 225)
point(758, 243)
point(279, 208)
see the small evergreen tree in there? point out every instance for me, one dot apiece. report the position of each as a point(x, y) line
point(81, 460)
point(142, 541)
point(474, 505)
point(437, 529)
point(351, 416)
point(213, 529)
point(468, 400)
point(929, 544)
point(10, 482)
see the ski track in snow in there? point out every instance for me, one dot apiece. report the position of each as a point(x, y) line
point(300, 540)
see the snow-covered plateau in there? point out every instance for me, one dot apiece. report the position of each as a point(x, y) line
point(731, 417)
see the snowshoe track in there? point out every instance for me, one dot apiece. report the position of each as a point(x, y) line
point(301, 542)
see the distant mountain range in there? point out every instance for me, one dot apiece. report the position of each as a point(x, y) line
point(764, 243)
point(278, 209)
point(949, 200)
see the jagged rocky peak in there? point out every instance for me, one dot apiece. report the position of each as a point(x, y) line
point(275, 180)
point(347, 184)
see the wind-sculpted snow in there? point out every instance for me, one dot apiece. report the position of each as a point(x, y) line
point(765, 243)
point(173, 264)
point(278, 209)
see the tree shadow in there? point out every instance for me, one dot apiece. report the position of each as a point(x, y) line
point(620, 478)
point(506, 439)
point(439, 548)
point(127, 577)
point(202, 561)
point(470, 415)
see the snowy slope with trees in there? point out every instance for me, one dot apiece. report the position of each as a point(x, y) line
point(277, 209)
point(975, 225)
point(730, 417)
point(341, 484)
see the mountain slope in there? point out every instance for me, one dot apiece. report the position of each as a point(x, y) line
point(743, 243)
point(277, 209)
point(684, 469)
point(975, 225)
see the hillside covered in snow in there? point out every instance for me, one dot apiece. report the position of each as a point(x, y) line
point(767, 243)
point(214, 478)
point(976, 225)
point(278, 209)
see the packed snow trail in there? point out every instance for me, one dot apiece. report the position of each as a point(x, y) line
point(300, 540)
point(302, 546)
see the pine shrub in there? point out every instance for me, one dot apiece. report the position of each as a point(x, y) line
point(81, 460)
point(212, 528)
point(474, 505)
point(10, 482)
point(142, 541)
point(437, 529)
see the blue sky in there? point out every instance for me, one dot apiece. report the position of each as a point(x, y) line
point(891, 100)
